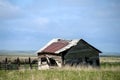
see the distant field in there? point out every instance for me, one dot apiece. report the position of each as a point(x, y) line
point(109, 70)
point(110, 59)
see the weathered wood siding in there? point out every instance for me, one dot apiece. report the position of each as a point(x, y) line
point(80, 53)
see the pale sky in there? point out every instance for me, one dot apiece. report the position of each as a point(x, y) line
point(30, 24)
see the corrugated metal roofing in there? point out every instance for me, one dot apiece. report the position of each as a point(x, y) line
point(55, 46)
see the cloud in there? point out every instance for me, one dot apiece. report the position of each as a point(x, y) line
point(41, 21)
point(8, 11)
point(26, 24)
point(23, 21)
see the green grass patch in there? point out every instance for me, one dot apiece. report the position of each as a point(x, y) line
point(110, 64)
point(56, 74)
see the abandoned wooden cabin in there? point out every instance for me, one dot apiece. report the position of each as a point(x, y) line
point(59, 52)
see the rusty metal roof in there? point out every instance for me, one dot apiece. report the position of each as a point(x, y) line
point(55, 46)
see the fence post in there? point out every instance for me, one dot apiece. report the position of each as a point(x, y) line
point(6, 60)
point(18, 63)
point(30, 63)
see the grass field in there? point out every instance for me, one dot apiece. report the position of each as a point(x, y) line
point(109, 70)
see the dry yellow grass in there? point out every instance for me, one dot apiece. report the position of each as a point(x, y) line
point(109, 59)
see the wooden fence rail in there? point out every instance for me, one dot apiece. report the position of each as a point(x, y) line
point(18, 64)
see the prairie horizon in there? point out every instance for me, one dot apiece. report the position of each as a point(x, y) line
point(32, 52)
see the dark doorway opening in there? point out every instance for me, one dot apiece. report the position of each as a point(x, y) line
point(44, 60)
point(52, 62)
